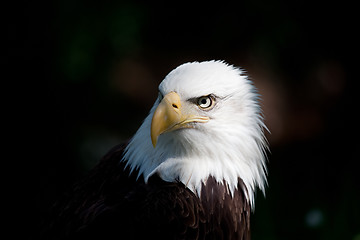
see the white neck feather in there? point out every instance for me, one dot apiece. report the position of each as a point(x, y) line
point(225, 153)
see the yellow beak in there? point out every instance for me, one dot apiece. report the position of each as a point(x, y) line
point(168, 116)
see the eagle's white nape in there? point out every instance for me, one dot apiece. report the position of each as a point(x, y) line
point(229, 146)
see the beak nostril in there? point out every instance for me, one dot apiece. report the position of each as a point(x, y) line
point(174, 105)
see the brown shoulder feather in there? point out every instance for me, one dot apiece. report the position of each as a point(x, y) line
point(111, 202)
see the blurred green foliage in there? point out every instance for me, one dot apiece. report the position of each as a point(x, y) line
point(94, 33)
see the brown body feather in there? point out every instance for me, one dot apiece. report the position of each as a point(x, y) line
point(111, 203)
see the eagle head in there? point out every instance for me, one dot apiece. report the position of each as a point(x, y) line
point(205, 122)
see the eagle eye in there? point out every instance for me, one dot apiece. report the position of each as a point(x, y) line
point(205, 102)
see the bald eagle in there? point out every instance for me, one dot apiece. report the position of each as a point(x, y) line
point(189, 172)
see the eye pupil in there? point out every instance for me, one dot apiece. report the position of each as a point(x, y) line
point(203, 101)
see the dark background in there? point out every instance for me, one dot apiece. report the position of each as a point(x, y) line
point(83, 75)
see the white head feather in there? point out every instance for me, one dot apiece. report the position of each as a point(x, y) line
point(230, 145)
